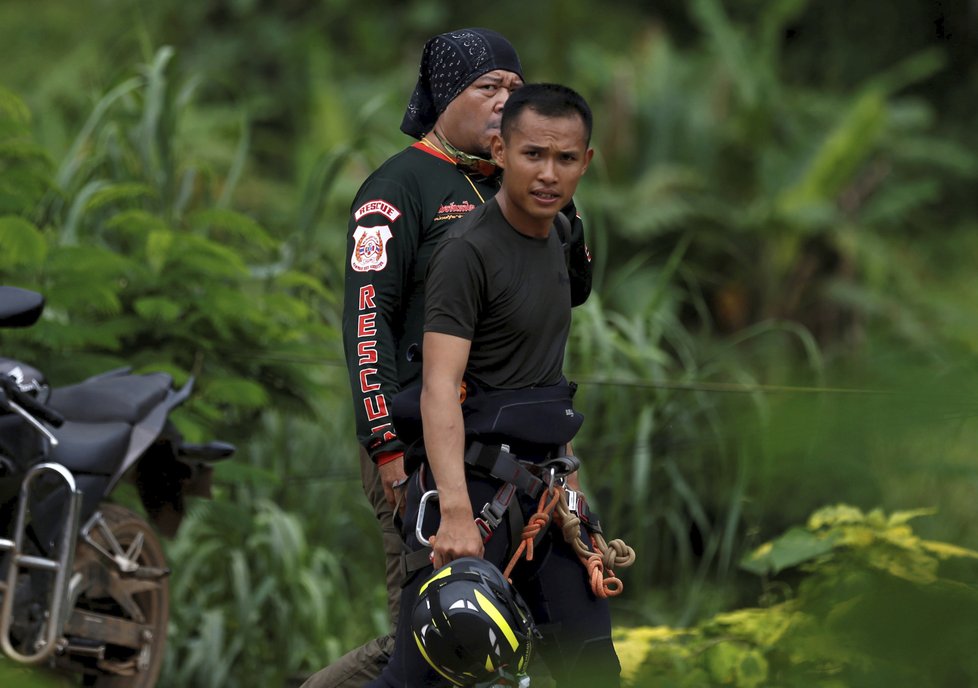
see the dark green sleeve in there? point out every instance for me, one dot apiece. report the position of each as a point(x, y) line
point(382, 245)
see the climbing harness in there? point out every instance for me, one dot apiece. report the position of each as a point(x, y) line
point(566, 508)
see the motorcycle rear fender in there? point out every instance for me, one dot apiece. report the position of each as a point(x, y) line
point(147, 430)
point(168, 472)
point(164, 483)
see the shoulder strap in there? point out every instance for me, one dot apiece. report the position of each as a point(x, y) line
point(563, 226)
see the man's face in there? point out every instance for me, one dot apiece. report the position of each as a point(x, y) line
point(471, 119)
point(543, 159)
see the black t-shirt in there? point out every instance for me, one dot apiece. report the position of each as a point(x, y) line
point(505, 292)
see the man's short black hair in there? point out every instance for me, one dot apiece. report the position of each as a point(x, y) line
point(547, 100)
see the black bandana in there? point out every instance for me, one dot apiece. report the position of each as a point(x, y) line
point(449, 63)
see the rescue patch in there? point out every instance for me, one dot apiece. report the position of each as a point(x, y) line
point(370, 248)
point(377, 207)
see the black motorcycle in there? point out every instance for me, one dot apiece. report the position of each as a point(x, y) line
point(83, 581)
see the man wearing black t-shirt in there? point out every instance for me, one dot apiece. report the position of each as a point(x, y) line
point(497, 316)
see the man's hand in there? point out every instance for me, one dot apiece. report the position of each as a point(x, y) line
point(458, 536)
point(391, 473)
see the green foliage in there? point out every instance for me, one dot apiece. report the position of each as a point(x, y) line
point(751, 235)
point(16, 676)
point(249, 579)
point(25, 168)
point(873, 608)
point(21, 243)
point(141, 266)
point(261, 578)
point(777, 189)
point(842, 537)
point(780, 203)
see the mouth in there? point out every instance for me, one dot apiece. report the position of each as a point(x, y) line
point(545, 196)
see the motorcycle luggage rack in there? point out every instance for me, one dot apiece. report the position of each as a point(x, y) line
point(46, 643)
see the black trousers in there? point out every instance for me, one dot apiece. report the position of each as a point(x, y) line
point(575, 623)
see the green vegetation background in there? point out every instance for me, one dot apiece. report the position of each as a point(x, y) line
point(782, 215)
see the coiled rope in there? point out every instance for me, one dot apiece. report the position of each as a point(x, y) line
point(600, 560)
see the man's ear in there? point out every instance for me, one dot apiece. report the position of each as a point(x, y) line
point(587, 159)
point(496, 149)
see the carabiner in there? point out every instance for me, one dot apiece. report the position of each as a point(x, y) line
point(430, 494)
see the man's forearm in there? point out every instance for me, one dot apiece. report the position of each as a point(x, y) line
point(457, 534)
point(444, 444)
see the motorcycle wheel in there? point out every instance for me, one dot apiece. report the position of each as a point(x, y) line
point(154, 604)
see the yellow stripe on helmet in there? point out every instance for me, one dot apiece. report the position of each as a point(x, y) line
point(447, 571)
point(434, 666)
point(494, 614)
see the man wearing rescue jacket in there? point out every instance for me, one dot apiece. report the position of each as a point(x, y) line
point(397, 218)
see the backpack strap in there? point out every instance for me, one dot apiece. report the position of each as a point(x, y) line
point(563, 226)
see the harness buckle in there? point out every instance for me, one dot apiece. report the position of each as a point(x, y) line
point(494, 510)
point(485, 529)
point(572, 499)
point(577, 503)
point(491, 519)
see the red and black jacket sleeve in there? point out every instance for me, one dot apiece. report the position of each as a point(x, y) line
point(382, 240)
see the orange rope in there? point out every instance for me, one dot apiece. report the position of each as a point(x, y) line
point(599, 562)
point(538, 522)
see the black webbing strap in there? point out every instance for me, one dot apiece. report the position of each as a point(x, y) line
point(563, 225)
point(502, 505)
point(499, 463)
point(516, 524)
point(412, 561)
point(492, 513)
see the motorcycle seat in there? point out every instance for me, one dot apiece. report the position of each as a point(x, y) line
point(96, 448)
point(125, 398)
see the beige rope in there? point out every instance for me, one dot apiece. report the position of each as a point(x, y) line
point(600, 563)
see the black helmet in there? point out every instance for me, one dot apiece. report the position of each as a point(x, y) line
point(470, 624)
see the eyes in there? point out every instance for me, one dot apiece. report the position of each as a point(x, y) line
point(492, 87)
point(537, 154)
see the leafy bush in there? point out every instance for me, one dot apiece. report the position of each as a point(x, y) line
point(143, 263)
point(15, 676)
point(850, 599)
point(757, 248)
point(255, 602)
